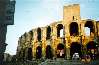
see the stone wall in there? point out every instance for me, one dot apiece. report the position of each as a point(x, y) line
point(73, 33)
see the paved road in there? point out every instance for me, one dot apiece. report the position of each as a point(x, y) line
point(68, 62)
point(53, 62)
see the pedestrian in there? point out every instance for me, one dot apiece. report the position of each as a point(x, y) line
point(88, 58)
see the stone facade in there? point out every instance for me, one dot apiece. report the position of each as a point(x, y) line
point(60, 39)
point(7, 9)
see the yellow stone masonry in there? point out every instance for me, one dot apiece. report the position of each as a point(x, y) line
point(71, 19)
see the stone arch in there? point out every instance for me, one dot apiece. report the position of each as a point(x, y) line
point(90, 25)
point(31, 35)
point(39, 34)
point(48, 32)
point(75, 48)
point(60, 50)
point(23, 54)
point(38, 52)
point(59, 28)
point(29, 56)
point(74, 30)
point(49, 54)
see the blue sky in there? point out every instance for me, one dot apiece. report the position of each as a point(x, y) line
point(30, 14)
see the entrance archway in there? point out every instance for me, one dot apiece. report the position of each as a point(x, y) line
point(75, 48)
point(73, 29)
point(49, 54)
point(60, 51)
point(30, 56)
point(91, 48)
point(38, 52)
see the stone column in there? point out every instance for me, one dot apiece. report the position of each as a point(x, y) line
point(68, 53)
point(67, 49)
point(3, 30)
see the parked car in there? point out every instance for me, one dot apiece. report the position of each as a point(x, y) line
point(75, 56)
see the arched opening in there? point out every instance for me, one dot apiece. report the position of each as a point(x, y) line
point(23, 55)
point(59, 30)
point(91, 49)
point(49, 54)
point(38, 52)
point(39, 34)
point(89, 24)
point(25, 35)
point(60, 51)
point(19, 55)
point(31, 35)
point(30, 56)
point(48, 34)
point(75, 48)
point(74, 29)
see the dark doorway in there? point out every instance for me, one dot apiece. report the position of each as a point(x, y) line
point(23, 54)
point(49, 54)
point(30, 56)
point(39, 34)
point(91, 49)
point(91, 45)
point(90, 25)
point(74, 29)
point(59, 28)
point(60, 51)
point(48, 34)
point(38, 52)
point(75, 48)
point(31, 35)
